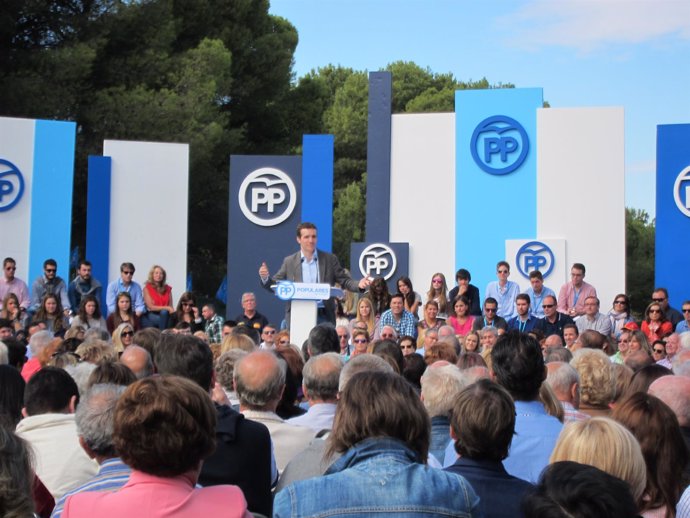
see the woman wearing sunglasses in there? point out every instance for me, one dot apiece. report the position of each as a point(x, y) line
point(655, 326)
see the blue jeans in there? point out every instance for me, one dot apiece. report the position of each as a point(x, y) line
point(157, 319)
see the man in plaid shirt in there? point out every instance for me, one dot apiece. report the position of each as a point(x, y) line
point(214, 324)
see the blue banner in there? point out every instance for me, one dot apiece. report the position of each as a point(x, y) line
point(673, 211)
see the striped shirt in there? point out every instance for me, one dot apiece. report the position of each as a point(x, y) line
point(111, 476)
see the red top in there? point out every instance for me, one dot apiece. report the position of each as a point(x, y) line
point(158, 298)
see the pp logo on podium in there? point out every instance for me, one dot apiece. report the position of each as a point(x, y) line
point(285, 290)
point(681, 191)
point(267, 196)
point(535, 255)
point(499, 145)
point(378, 260)
point(11, 185)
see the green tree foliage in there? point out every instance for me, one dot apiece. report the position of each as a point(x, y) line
point(350, 213)
point(639, 251)
point(213, 73)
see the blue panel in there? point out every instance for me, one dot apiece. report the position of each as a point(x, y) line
point(251, 243)
point(673, 211)
point(98, 218)
point(51, 192)
point(317, 186)
point(379, 157)
point(496, 176)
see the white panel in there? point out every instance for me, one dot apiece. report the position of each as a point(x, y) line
point(558, 274)
point(148, 212)
point(423, 193)
point(581, 191)
point(17, 146)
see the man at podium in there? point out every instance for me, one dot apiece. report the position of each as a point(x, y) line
point(310, 265)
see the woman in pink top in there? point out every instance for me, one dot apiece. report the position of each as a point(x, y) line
point(462, 320)
point(164, 427)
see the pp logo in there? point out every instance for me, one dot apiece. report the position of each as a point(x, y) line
point(285, 290)
point(499, 145)
point(378, 258)
point(11, 185)
point(267, 196)
point(535, 255)
point(681, 189)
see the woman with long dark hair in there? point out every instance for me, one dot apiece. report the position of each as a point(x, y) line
point(411, 298)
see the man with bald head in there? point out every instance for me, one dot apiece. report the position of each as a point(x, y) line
point(675, 392)
point(259, 381)
point(138, 360)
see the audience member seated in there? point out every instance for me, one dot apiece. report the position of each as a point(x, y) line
point(572, 490)
point(138, 360)
point(50, 312)
point(518, 365)
point(49, 426)
point(565, 383)
point(596, 381)
point(89, 314)
point(187, 311)
point(482, 426)
point(655, 325)
point(607, 445)
point(242, 456)
point(441, 383)
point(260, 380)
point(42, 345)
point(158, 299)
point(657, 430)
point(164, 428)
point(383, 438)
point(321, 375)
point(95, 419)
point(123, 313)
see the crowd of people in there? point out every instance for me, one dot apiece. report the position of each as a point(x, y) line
point(518, 403)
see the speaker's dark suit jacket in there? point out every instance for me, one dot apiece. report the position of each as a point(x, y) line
point(330, 272)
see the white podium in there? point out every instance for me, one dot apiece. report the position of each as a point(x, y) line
point(304, 298)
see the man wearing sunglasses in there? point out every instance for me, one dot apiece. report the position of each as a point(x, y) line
point(125, 283)
point(11, 284)
point(660, 296)
point(49, 284)
point(503, 291)
point(553, 321)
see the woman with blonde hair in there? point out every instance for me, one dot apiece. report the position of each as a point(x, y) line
point(158, 299)
point(597, 386)
point(123, 337)
point(605, 444)
point(365, 313)
point(438, 291)
point(12, 311)
point(237, 341)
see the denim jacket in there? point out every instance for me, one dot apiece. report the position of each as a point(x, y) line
point(378, 477)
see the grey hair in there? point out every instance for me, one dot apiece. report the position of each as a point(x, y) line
point(40, 341)
point(488, 329)
point(562, 378)
point(259, 396)
point(685, 340)
point(225, 367)
point(95, 417)
point(440, 387)
point(428, 331)
point(80, 374)
point(557, 354)
point(4, 359)
point(447, 328)
point(362, 363)
point(395, 333)
point(321, 376)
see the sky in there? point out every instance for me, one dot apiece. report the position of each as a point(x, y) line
point(634, 54)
